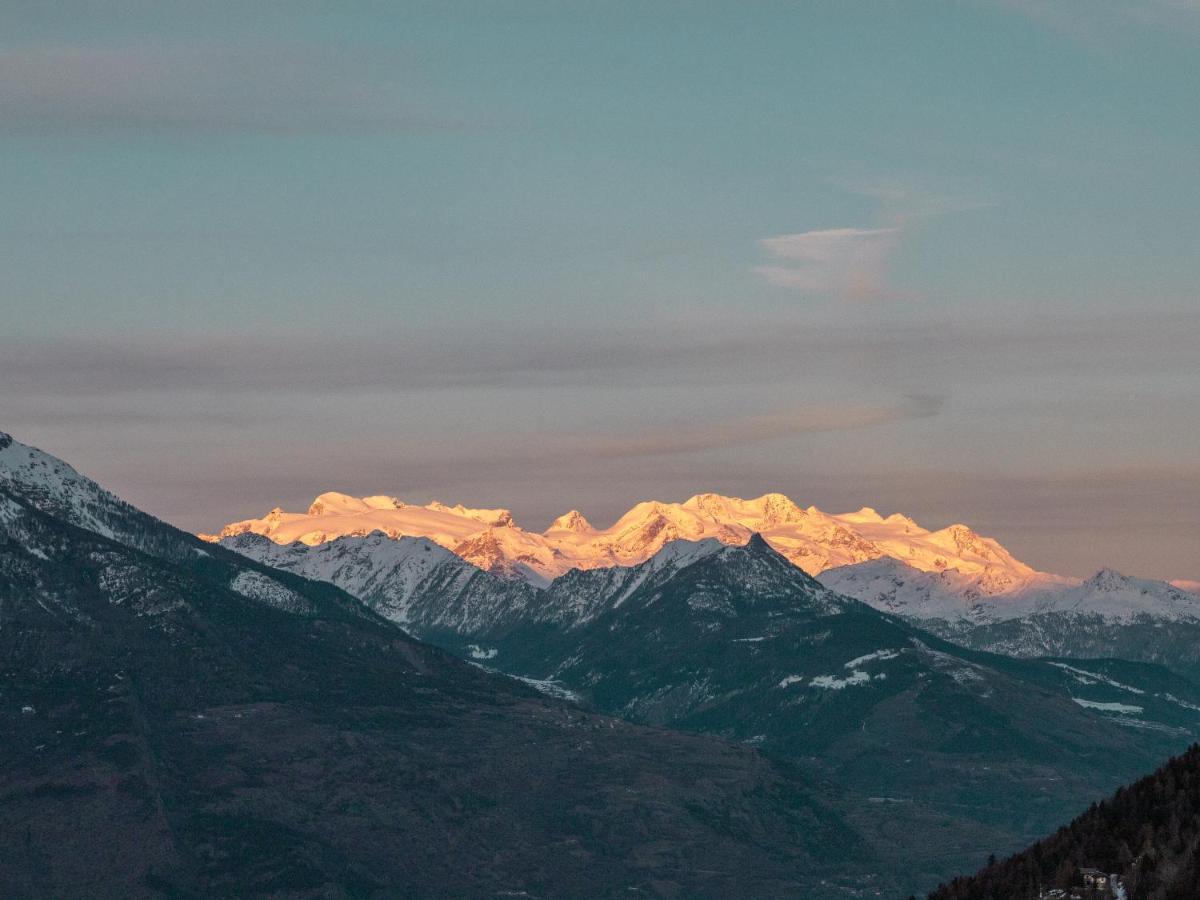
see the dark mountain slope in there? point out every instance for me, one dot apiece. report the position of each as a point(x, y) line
point(742, 643)
point(947, 753)
point(1147, 834)
point(942, 754)
point(163, 734)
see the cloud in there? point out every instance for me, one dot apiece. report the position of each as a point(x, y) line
point(691, 437)
point(766, 353)
point(201, 88)
point(849, 262)
point(1099, 24)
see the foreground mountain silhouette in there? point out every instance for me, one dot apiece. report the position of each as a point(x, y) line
point(1147, 835)
point(940, 755)
point(177, 720)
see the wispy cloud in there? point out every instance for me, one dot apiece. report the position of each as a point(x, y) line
point(197, 88)
point(852, 263)
point(849, 262)
point(691, 437)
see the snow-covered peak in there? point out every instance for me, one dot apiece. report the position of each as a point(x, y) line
point(779, 510)
point(490, 517)
point(1108, 580)
point(334, 503)
point(950, 595)
point(867, 514)
point(684, 553)
point(389, 574)
point(573, 521)
point(1117, 597)
point(979, 597)
point(55, 487)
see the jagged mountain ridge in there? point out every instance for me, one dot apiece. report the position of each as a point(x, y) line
point(163, 732)
point(740, 643)
point(490, 538)
point(425, 587)
point(703, 599)
point(891, 585)
point(1108, 615)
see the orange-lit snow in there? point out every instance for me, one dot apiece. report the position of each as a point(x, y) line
point(812, 539)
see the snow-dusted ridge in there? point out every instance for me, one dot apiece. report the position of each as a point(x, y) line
point(53, 487)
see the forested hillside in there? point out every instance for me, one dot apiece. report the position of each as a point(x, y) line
point(1146, 834)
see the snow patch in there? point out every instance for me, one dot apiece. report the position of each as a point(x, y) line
point(1085, 677)
point(1172, 698)
point(877, 655)
point(830, 683)
point(264, 589)
point(1124, 709)
point(549, 687)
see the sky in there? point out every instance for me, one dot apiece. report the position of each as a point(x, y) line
point(930, 257)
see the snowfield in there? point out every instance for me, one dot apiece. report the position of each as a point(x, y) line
point(812, 539)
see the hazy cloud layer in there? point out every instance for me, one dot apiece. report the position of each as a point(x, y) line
point(195, 88)
point(688, 437)
point(765, 352)
point(1099, 24)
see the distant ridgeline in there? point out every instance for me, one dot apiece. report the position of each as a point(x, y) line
point(960, 585)
point(1141, 844)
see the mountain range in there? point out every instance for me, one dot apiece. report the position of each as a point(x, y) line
point(953, 582)
point(934, 750)
point(491, 539)
point(371, 712)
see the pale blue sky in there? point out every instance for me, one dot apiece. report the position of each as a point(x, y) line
point(934, 257)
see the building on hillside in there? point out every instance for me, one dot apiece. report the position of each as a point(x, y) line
point(1094, 879)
